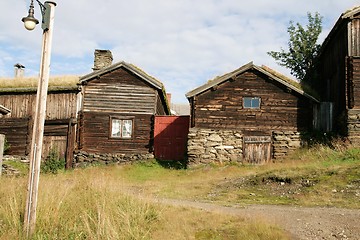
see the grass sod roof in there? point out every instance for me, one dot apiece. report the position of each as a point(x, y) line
point(301, 86)
point(284, 80)
point(29, 84)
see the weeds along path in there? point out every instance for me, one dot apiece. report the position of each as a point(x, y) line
point(300, 222)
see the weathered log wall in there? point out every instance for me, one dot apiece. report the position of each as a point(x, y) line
point(94, 133)
point(119, 91)
point(61, 107)
point(59, 104)
point(281, 109)
point(18, 134)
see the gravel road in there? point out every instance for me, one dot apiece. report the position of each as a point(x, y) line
point(301, 222)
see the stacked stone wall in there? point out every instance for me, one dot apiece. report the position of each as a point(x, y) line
point(353, 126)
point(285, 142)
point(226, 146)
point(83, 159)
point(209, 146)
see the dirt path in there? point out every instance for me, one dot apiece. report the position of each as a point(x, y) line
point(300, 222)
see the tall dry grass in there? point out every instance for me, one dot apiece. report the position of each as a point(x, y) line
point(99, 203)
point(80, 205)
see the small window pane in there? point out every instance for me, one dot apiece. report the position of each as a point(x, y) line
point(255, 103)
point(247, 102)
point(251, 102)
point(127, 129)
point(115, 127)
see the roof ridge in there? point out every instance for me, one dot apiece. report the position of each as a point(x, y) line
point(350, 12)
point(265, 70)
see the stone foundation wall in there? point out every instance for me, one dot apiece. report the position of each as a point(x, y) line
point(285, 142)
point(353, 126)
point(225, 146)
point(83, 159)
point(208, 146)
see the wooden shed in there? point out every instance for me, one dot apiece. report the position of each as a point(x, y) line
point(336, 76)
point(263, 112)
point(19, 95)
point(119, 103)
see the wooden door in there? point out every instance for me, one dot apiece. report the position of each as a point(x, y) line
point(57, 143)
point(170, 137)
point(257, 149)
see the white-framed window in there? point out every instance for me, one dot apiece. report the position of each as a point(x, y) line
point(251, 102)
point(121, 128)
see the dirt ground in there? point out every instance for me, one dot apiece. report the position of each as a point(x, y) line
point(300, 222)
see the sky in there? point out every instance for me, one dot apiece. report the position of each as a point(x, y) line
point(182, 43)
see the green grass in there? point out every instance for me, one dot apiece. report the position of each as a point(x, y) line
point(100, 203)
point(112, 202)
point(22, 168)
point(315, 177)
point(319, 176)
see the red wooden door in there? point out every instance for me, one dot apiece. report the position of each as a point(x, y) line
point(170, 137)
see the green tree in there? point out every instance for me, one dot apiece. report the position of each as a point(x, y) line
point(303, 47)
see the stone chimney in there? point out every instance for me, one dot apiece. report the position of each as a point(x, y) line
point(102, 59)
point(19, 70)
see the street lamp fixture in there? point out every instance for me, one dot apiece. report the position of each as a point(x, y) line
point(47, 12)
point(30, 21)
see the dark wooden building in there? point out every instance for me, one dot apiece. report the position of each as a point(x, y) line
point(256, 102)
point(61, 111)
point(119, 102)
point(336, 77)
point(109, 111)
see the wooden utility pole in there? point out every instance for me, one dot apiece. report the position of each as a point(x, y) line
point(2, 142)
point(39, 119)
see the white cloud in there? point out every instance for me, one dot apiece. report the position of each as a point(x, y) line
point(183, 43)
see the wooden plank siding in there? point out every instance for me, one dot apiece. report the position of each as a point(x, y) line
point(119, 91)
point(160, 105)
point(353, 83)
point(331, 83)
point(335, 74)
point(59, 105)
point(18, 134)
point(257, 149)
point(95, 137)
point(222, 108)
point(355, 36)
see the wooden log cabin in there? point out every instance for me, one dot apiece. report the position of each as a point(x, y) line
point(267, 110)
point(19, 95)
point(336, 76)
point(119, 102)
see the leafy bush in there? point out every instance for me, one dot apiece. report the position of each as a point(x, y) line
point(53, 163)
